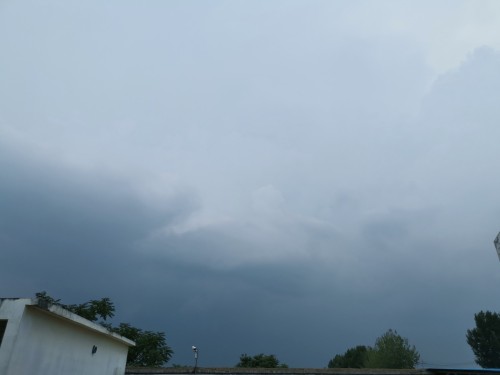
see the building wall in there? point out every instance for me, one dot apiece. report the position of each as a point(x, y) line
point(12, 310)
point(42, 343)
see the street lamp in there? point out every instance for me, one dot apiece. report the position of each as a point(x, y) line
point(195, 351)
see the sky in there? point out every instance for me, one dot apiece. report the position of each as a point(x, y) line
point(283, 177)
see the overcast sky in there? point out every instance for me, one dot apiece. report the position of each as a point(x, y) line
point(286, 177)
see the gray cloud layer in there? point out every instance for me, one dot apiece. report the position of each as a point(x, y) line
point(248, 178)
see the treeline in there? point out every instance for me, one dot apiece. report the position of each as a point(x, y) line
point(390, 351)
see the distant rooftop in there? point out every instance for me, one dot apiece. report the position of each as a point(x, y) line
point(305, 371)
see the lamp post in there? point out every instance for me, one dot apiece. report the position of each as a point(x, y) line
point(195, 351)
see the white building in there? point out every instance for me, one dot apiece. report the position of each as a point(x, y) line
point(37, 338)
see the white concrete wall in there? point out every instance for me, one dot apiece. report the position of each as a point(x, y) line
point(42, 343)
point(12, 310)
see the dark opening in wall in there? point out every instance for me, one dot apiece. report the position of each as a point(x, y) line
point(3, 326)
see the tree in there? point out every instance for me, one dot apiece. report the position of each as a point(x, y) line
point(91, 310)
point(353, 358)
point(392, 351)
point(260, 360)
point(484, 339)
point(150, 350)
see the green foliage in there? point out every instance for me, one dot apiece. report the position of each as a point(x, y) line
point(392, 351)
point(150, 350)
point(44, 296)
point(94, 309)
point(352, 358)
point(91, 310)
point(261, 361)
point(485, 339)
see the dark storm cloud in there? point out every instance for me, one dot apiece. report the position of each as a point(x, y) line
point(63, 223)
point(288, 180)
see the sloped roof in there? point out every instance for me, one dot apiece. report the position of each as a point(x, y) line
point(60, 313)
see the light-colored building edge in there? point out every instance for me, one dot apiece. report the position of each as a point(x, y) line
point(44, 339)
